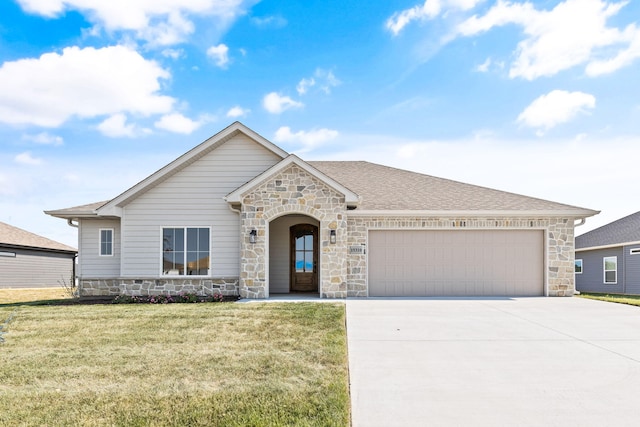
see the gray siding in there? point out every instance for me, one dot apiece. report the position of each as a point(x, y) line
point(592, 277)
point(279, 251)
point(632, 270)
point(194, 197)
point(91, 264)
point(34, 269)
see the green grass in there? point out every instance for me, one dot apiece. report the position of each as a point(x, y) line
point(220, 364)
point(621, 299)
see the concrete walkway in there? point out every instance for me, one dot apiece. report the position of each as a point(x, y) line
point(493, 362)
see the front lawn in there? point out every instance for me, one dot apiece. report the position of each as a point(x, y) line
point(8, 296)
point(223, 364)
point(622, 299)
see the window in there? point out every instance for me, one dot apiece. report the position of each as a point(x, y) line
point(578, 267)
point(304, 254)
point(610, 264)
point(634, 251)
point(106, 242)
point(185, 251)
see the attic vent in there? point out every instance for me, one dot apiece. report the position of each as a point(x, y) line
point(8, 254)
point(357, 250)
point(634, 251)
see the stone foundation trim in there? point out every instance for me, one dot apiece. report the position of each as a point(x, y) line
point(91, 287)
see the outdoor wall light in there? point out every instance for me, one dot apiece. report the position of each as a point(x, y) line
point(332, 237)
point(252, 236)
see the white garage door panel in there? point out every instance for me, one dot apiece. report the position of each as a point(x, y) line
point(456, 263)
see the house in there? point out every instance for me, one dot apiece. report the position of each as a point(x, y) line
point(30, 261)
point(608, 258)
point(240, 216)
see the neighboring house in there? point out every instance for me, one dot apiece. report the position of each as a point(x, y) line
point(30, 261)
point(239, 215)
point(608, 258)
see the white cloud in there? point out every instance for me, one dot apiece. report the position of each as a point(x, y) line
point(88, 82)
point(220, 54)
point(484, 67)
point(162, 22)
point(574, 32)
point(173, 53)
point(272, 21)
point(308, 139)
point(27, 159)
point(116, 126)
point(237, 111)
point(177, 123)
point(323, 79)
point(554, 108)
point(275, 103)
point(44, 138)
point(622, 59)
point(304, 85)
point(428, 10)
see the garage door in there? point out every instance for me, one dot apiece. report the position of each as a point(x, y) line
point(456, 263)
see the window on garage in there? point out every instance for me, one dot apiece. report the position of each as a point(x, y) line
point(578, 267)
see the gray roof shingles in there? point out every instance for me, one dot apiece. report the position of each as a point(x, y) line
point(386, 188)
point(621, 231)
point(14, 236)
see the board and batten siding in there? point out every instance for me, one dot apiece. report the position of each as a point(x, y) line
point(592, 277)
point(90, 263)
point(632, 270)
point(280, 251)
point(31, 268)
point(193, 197)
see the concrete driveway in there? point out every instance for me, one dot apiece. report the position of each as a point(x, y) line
point(493, 362)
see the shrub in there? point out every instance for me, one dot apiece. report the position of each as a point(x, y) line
point(167, 299)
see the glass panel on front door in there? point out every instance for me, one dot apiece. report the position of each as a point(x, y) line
point(304, 254)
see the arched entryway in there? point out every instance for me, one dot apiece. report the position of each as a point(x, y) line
point(294, 259)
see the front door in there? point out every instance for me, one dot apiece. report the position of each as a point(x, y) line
point(304, 258)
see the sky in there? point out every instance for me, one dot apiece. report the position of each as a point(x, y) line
point(539, 98)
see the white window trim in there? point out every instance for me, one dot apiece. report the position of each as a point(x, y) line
point(604, 270)
point(581, 266)
point(634, 251)
point(113, 243)
point(185, 245)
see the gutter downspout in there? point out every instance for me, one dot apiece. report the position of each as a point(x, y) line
point(75, 257)
point(238, 211)
point(582, 221)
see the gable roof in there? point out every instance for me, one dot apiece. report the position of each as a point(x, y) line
point(383, 188)
point(617, 233)
point(17, 237)
point(236, 196)
point(113, 206)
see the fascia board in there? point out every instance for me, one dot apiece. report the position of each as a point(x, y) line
point(613, 245)
point(578, 213)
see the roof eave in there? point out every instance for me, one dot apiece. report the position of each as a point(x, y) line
point(569, 213)
point(608, 246)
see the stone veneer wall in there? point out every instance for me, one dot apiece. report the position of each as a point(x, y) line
point(166, 286)
point(559, 245)
point(293, 191)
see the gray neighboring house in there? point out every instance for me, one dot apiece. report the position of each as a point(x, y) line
point(28, 260)
point(238, 215)
point(608, 258)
